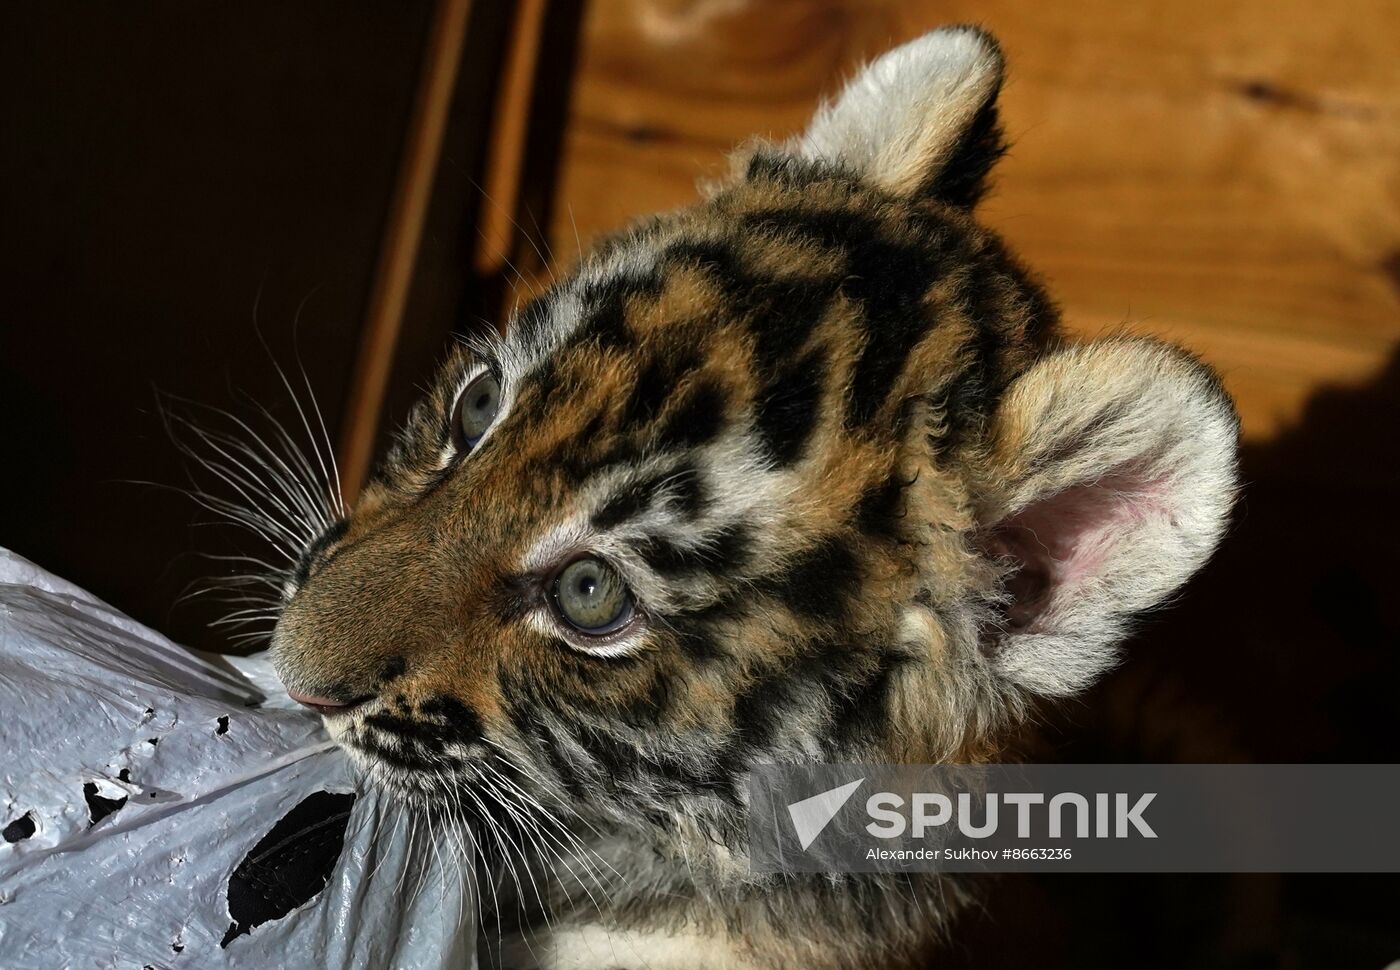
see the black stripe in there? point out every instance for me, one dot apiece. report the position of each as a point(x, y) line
point(701, 772)
point(697, 637)
point(592, 452)
point(717, 259)
point(418, 734)
point(724, 550)
point(329, 537)
point(512, 595)
point(683, 483)
point(696, 421)
point(654, 386)
point(780, 312)
point(519, 698)
point(691, 495)
point(404, 759)
point(392, 669)
point(460, 723)
point(835, 229)
point(860, 710)
point(699, 630)
point(618, 759)
point(524, 710)
point(785, 411)
point(540, 384)
point(889, 268)
point(881, 507)
point(575, 782)
point(794, 172)
point(768, 703)
point(817, 583)
point(627, 503)
point(891, 281)
point(605, 302)
point(607, 686)
point(962, 178)
point(783, 313)
point(793, 685)
point(966, 402)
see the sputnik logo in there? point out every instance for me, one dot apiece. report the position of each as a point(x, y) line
point(811, 815)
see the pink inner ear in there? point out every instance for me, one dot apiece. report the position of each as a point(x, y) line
point(1066, 539)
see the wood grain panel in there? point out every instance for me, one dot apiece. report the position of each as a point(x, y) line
point(1222, 176)
point(403, 235)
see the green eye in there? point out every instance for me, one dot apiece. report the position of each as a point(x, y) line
point(591, 597)
point(476, 409)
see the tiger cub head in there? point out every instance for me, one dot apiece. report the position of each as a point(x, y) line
point(801, 472)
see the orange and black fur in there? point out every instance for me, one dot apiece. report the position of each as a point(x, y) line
point(802, 473)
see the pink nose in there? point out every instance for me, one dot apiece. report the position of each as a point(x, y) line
point(324, 705)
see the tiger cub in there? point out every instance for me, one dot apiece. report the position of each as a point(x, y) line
point(804, 472)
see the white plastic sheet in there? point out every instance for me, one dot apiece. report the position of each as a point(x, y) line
point(139, 782)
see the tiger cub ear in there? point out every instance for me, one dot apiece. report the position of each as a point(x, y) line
point(920, 119)
point(1109, 477)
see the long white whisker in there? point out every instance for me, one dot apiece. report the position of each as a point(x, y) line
point(574, 849)
point(301, 412)
point(252, 479)
point(305, 474)
point(336, 496)
point(559, 850)
point(292, 478)
point(500, 839)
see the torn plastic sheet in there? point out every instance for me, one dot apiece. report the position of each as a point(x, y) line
point(163, 809)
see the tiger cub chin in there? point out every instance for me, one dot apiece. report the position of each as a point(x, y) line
point(804, 472)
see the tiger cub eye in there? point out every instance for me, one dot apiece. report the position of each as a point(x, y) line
point(476, 409)
point(591, 597)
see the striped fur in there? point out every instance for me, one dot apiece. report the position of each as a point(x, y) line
point(811, 421)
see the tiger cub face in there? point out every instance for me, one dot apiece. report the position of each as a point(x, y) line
point(802, 472)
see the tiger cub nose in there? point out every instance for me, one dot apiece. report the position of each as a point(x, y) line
point(327, 705)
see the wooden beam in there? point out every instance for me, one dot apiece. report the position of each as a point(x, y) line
point(500, 225)
point(399, 251)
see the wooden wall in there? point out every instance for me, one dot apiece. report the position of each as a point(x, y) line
point(1221, 174)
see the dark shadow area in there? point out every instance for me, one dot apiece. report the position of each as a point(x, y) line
point(192, 198)
point(1285, 649)
point(167, 170)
